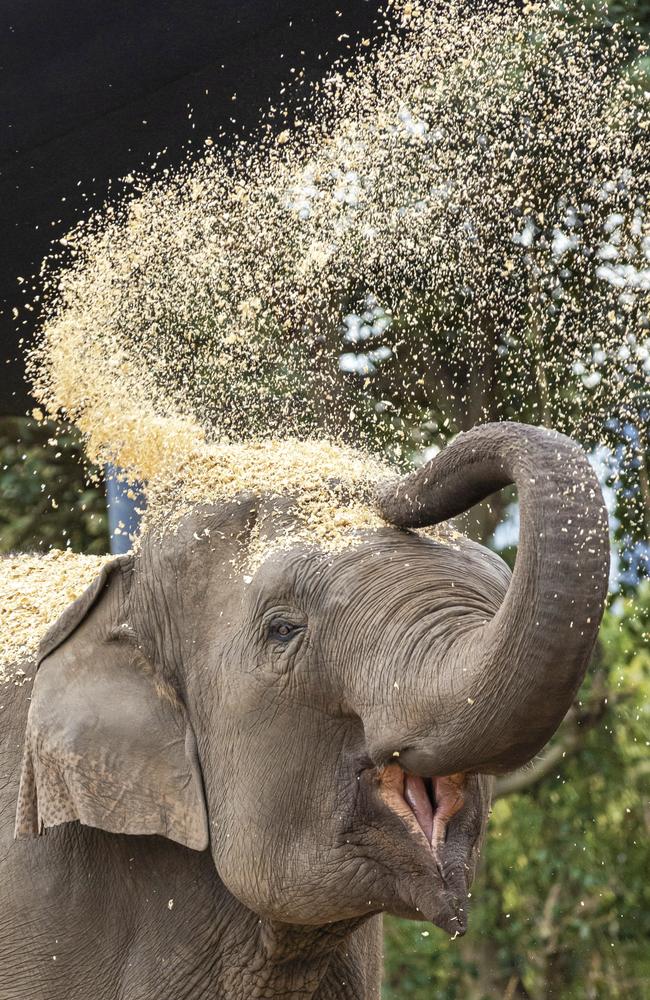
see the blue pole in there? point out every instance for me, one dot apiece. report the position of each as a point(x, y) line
point(124, 501)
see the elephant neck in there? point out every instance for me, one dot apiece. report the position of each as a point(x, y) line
point(267, 959)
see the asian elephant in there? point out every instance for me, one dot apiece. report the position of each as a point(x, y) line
point(236, 775)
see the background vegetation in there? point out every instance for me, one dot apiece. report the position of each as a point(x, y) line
point(47, 498)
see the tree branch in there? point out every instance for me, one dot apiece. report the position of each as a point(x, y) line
point(577, 723)
point(519, 781)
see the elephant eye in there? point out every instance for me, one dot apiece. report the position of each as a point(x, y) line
point(282, 631)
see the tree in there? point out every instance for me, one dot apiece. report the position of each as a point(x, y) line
point(47, 499)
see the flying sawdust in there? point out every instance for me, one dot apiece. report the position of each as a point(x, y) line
point(458, 233)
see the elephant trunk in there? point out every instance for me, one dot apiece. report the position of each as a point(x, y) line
point(512, 679)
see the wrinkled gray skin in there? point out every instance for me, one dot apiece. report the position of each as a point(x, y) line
point(236, 839)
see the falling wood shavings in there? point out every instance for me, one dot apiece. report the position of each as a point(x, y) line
point(209, 306)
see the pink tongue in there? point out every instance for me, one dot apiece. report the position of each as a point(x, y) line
point(415, 794)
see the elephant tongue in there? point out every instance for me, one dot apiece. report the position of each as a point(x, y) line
point(415, 793)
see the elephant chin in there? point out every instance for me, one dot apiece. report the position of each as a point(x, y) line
point(440, 897)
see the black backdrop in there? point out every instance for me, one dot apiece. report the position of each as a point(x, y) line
point(92, 89)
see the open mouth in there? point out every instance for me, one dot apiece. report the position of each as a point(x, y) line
point(425, 804)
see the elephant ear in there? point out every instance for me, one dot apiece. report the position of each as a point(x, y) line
point(107, 743)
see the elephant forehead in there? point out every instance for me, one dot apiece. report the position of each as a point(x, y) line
point(394, 564)
point(286, 575)
point(387, 569)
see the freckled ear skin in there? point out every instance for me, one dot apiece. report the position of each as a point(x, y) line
point(105, 743)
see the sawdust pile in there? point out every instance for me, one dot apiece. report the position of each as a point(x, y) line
point(34, 592)
point(331, 489)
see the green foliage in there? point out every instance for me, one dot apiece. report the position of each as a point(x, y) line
point(562, 905)
point(46, 499)
point(635, 13)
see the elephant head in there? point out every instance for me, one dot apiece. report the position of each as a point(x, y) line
point(328, 723)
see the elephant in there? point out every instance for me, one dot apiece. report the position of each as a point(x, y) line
point(218, 782)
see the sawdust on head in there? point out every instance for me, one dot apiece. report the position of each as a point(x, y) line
point(331, 490)
point(331, 487)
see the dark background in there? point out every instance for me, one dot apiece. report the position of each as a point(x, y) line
point(91, 90)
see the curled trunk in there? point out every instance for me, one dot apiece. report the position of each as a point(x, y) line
point(513, 679)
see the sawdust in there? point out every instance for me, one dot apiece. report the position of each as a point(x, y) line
point(34, 592)
point(331, 502)
point(331, 487)
point(473, 191)
point(459, 215)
